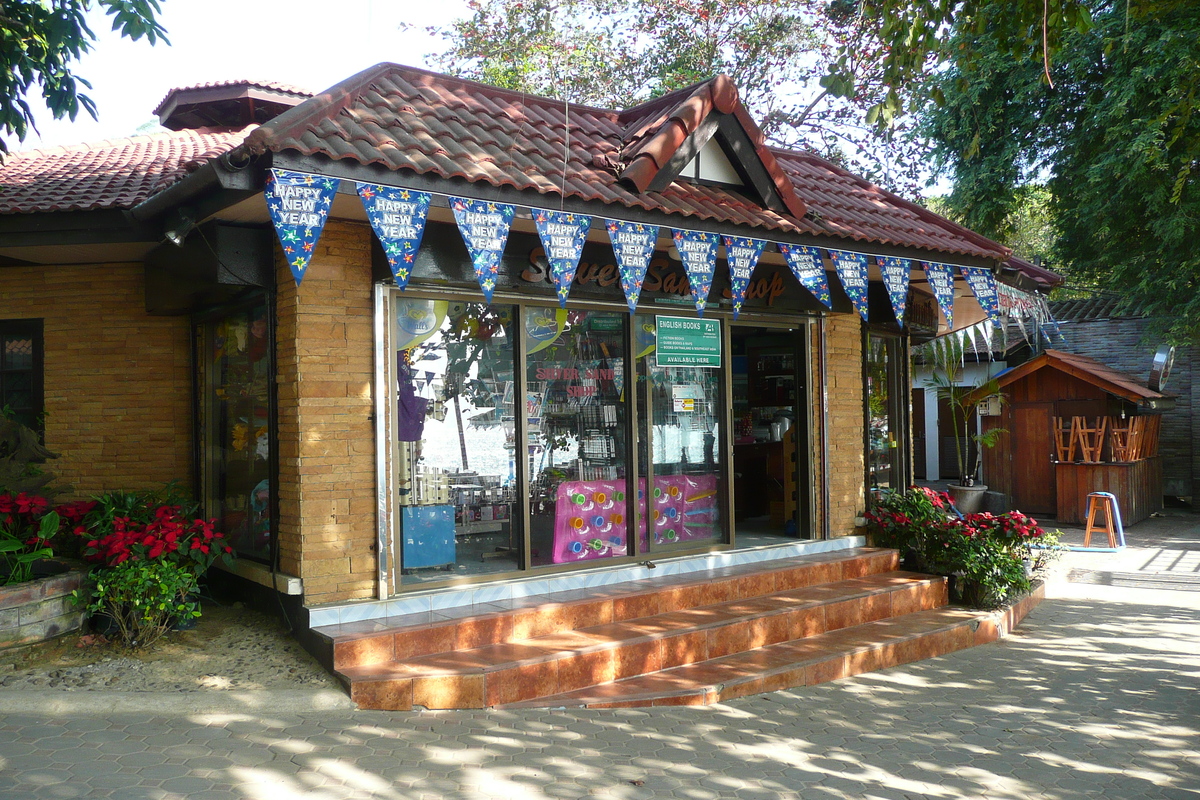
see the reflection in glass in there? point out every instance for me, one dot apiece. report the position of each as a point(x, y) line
point(681, 409)
point(881, 439)
point(455, 438)
point(237, 423)
point(575, 420)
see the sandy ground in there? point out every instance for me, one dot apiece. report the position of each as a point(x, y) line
point(231, 648)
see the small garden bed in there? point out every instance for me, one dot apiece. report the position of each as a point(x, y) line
point(989, 559)
point(40, 609)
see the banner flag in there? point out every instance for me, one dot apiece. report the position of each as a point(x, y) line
point(562, 235)
point(398, 219)
point(983, 284)
point(484, 227)
point(941, 280)
point(299, 205)
point(698, 251)
point(741, 256)
point(852, 270)
point(809, 269)
point(895, 278)
point(633, 245)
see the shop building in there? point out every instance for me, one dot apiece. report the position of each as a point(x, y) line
point(374, 451)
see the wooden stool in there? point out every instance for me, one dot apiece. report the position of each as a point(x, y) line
point(1112, 519)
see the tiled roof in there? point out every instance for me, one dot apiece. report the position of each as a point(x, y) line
point(410, 120)
point(1043, 277)
point(270, 86)
point(1088, 309)
point(1086, 369)
point(116, 173)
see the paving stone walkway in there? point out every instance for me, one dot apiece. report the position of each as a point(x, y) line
point(1096, 695)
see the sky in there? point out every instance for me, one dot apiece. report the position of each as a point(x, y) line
point(299, 42)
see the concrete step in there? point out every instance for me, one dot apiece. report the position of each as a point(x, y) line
point(403, 637)
point(574, 658)
point(806, 662)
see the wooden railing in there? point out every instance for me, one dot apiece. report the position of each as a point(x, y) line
point(1131, 439)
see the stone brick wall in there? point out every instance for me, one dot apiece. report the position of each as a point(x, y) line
point(39, 610)
point(1122, 345)
point(117, 381)
point(325, 338)
point(847, 466)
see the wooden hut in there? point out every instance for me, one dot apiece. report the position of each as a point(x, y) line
point(1075, 426)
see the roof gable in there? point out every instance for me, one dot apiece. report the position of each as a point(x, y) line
point(667, 134)
point(1085, 369)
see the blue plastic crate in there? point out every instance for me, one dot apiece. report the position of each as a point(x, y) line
point(427, 536)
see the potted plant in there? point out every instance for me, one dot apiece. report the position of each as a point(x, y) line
point(964, 401)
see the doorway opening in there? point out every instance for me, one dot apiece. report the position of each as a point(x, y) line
point(773, 498)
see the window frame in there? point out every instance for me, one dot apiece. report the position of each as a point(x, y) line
point(35, 329)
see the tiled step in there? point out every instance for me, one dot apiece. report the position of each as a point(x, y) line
point(574, 658)
point(817, 659)
point(397, 638)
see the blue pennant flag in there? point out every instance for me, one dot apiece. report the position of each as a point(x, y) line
point(983, 284)
point(398, 217)
point(484, 227)
point(562, 236)
point(741, 256)
point(852, 270)
point(941, 280)
point(895, 278)
point(809, 269)
point(633, 245)
point(698, 251)
point(299, 205)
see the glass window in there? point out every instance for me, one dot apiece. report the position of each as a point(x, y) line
point(456, 438)
point(575, 422)
point(21, 371)
point(885, 426)
point(679, 416)
point(236, 423)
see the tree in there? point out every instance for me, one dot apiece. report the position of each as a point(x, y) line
point(39, 41)
point(615, 54)
point(1117, 135)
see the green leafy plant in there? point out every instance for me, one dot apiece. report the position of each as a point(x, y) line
point(143, 599)
point(26, 526)
point(964, 401)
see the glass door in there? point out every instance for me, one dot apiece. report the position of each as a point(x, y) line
point(682, 494)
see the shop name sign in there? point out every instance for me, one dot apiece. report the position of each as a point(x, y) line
point(687, 342)
point(662, 276)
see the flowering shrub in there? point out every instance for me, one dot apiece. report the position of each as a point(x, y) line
point(989, 555)
point(26, 525)
point(149, 550)
point(192, 544)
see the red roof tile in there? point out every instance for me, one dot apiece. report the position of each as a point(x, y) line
point(270, 86)
point(116, 173)
point(405, 119)
point(1086, 369)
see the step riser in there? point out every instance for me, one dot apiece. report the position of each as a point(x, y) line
point(556, 618)
point(984, 629)
point(671, 649)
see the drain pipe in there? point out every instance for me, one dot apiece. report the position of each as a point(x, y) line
point(825, 531)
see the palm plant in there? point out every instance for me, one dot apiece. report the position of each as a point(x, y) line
point(964, 401)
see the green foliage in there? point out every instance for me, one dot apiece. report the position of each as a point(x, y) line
point(616, 54)
point(40, 40)
point(143, 598)
point(1116, 141)
point(24, 539)
point(964, 400)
